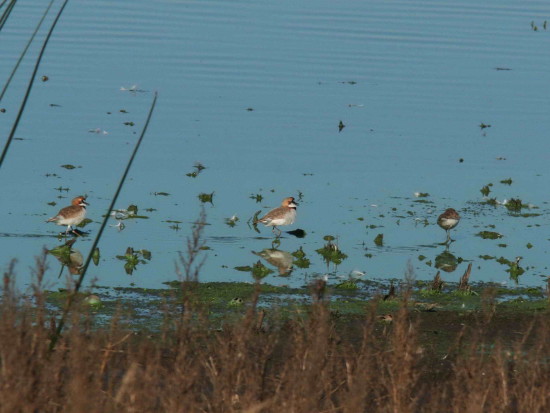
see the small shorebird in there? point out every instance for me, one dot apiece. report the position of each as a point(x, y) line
point(71, 215)
point(283, 215)
point(448, 220)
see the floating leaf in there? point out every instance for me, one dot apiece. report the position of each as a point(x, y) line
point(96, 256)
point(489, 235)
point(203, 197)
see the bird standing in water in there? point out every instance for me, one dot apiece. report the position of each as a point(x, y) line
point(283, 215)
point(448, 220)
point(71, 215)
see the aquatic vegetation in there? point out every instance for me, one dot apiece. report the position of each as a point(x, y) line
point(257, 197)
point(341, 126)
point(379, 240)
point(492, 202)
point(258, 270)
point(350, 284)
point(506, 181)
point(301, 261)
point(489, 235)
point(161, 194)
point(133, 258)
point(484, 125)
point(199, 167)
point(96, 255)
point(514, 205)
point(330, 252)
point(68, 166)
point(514, 269)
point(204, 198)
point(486, 189)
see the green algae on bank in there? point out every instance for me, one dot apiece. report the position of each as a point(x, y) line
point(142, 308)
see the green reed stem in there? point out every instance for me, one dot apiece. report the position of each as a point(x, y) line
point(24, 52)
point(6, 13)
point(71, 296)
point(29, 87)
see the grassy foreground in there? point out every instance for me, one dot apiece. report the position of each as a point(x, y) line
point(390, 357)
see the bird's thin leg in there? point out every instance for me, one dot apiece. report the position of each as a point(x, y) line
point(277, 234)
point(448, 236)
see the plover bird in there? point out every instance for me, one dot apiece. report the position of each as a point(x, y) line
point(448, 220)
point(71, 215)
point(283, 215)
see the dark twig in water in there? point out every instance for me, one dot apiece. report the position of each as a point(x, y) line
point(73, 293)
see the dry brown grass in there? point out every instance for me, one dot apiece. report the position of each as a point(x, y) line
point(314, 362)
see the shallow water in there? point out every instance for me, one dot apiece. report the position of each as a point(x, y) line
point(411, 81)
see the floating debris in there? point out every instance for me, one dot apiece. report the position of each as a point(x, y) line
point(133, 89)
point(45, 78)
point(341, 126)
point(98, 131)
point(231, 222)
